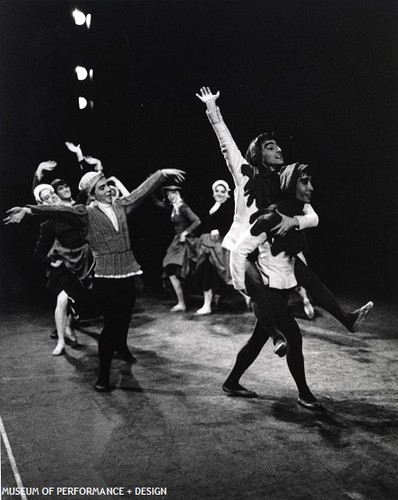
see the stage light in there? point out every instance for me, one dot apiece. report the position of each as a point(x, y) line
point(88, 21)
point(91, 74)
point(79, 17)
point(81, 72)
point(91, 103)
point(82, 102)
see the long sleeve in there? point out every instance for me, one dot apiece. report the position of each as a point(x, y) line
point(136, 197)
point(76, 215)
point(234, 161)
point(44, 244)
point(220, 220)
point(36, 181)
point(308, 219)
point(229, 149)
point(239, 253)
point(191, 217)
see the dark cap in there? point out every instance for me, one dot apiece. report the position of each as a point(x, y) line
point(171, 187)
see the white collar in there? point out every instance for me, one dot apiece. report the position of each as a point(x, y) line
point(215, 207)
point(104, 206)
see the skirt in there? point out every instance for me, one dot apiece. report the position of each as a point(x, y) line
point(180, 257)
point(210, 251)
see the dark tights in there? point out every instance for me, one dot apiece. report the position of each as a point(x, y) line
point(207, 278)
point(117, 298)
point(271, 310)
point(322, 295)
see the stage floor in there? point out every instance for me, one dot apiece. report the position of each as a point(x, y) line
point(167, 424)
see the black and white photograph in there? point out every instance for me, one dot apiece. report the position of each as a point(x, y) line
point(199, 249)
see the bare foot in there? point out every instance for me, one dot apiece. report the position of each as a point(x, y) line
point(178, 307)
point(203, 311)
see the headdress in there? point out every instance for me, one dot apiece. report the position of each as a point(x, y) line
point(89, 180)
point(290, 175)
point(170, 187)
point(222, 183)
point(38, 189)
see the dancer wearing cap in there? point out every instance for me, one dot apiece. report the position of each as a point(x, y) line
point(104, 222)
point(61, 187)
point(181, 252)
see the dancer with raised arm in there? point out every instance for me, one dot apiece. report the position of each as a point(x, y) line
point(69, 263)
point(181, 252)
point(257, 185)
point(104, 222)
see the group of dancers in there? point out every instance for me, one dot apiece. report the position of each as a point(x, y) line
point(86, 247)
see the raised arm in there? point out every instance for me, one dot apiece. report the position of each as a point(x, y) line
point(207, 97)
point(119, 186)
point(86, 163)
point(96, 164)
point(75, 149)
point(229, 149)
point(138, 195)
point(44, 166)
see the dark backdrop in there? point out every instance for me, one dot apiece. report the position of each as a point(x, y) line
point(322, 74)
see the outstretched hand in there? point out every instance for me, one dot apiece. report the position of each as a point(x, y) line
point(16, 214)
point(72, 147)
point(207, 96)
point(174, 172)
point(94, 161)
point(45, 165)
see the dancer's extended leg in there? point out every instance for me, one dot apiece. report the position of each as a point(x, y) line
point(324, 298)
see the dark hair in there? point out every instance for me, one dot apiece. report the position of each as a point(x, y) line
point(56, 183)
point(254, 153)
point(300, 170)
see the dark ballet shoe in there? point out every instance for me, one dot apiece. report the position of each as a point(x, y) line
point(237, 391)
point(127, 357)
point(310, 403)
point(102, 387)
point(280, 348)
